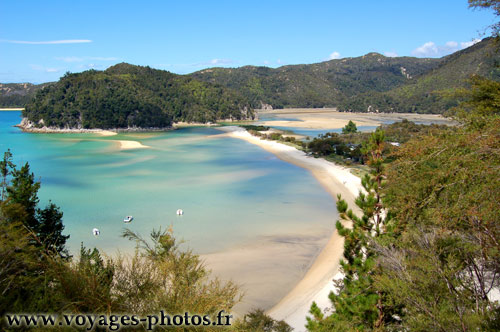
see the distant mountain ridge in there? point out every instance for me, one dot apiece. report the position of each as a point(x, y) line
point(434, 90)
point(18, 94)
point(370, 82)
point(325, 84)
point(127, 95)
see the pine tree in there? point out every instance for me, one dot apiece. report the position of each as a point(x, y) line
point(6, 167)
point(358, 305)
point(349, 128)
point(50, 227)
point(23, 191)
point(21, 206)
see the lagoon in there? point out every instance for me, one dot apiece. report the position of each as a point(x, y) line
point(234, 194)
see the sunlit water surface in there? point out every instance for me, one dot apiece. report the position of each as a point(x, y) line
point(232, 192)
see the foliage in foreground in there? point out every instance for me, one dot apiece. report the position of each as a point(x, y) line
point(358, 304)
point(37, 275)
point(258, 321)
point(348, 146)
point(433, 263)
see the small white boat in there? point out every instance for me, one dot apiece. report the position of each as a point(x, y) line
point(96, 232)
point(128, 219)
point(180, 212)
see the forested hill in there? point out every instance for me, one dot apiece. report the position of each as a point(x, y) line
point(400, 84)
point(18, 94)
point(126, 96)
point(321, 84)
point(435, 90)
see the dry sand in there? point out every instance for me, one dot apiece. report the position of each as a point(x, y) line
point(128, 145)
point(267, 268)
point(106, 133)
point(316, 283)
point(330, 118)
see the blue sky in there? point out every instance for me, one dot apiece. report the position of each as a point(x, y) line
point(41, 40)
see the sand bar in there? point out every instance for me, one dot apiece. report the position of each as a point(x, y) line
point(129, 145)
point(316, 283)
point(106, 133)
point(330, 118)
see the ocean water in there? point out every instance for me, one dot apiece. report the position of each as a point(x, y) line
point(231, 191)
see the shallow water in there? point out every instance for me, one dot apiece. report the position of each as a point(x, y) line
point(313, 133)
point(231, 191)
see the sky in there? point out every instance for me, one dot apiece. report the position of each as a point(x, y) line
point(42, 40)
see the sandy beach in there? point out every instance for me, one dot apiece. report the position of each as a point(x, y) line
point(316, 284)
point(328, 118)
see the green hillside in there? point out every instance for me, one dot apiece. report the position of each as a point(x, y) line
point(126, 96)
point(370, 82)
point(433, 92)
point(317, 85)
point(18, 94)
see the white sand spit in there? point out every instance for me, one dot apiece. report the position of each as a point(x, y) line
point(128, 145)
point(317, 282)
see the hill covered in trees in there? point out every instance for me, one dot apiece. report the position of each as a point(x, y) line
point(320, 84)
point(434, 91)
point(372, 81)
point(18, 94)
point(424, 255)
point(126, 96)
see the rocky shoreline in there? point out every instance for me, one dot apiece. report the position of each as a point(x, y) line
point(28, 126)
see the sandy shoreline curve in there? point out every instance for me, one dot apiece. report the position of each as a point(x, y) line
point(316, 284)
point(9, 109)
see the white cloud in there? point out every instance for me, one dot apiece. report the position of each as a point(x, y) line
point(49, 42)
point(45, 69)
point(451, 44)
point(469, 43)
point(391, 54)
point(213, 62)
point(426, 50)
point(334, 55)
point(92, 66)
point(221, 61)
point(70, 59)
point(430, 49)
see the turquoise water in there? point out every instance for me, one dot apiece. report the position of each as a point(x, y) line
point(231, 191)
point(312, 133)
